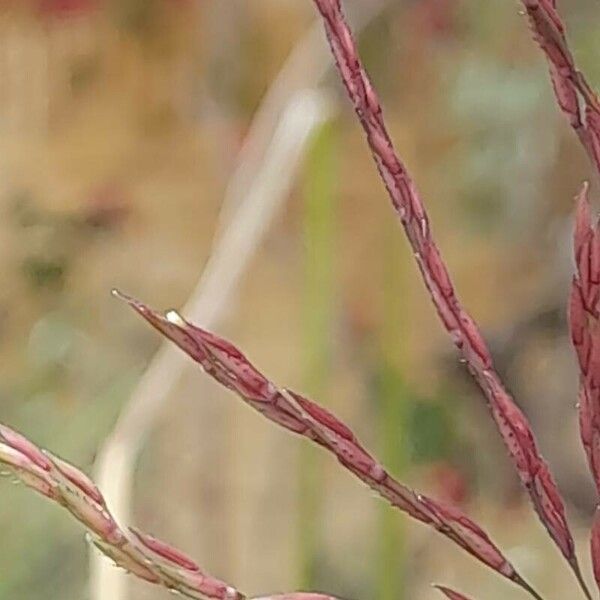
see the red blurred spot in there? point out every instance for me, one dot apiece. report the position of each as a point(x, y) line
point(450, 484)
point(436, 18)
point(67, 8)
point(107, 207)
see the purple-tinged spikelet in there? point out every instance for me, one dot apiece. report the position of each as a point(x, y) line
point(230, 367)
point(511, 422)
point(575, 97)
point(584, 326)
point(140, 554)
point(595, 547)
point(450, 594)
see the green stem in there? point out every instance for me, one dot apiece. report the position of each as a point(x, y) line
point(394, 405)
point(319, 192)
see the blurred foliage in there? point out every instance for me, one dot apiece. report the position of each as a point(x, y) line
point(120, 122)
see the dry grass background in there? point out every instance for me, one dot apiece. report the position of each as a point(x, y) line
point(118, 130)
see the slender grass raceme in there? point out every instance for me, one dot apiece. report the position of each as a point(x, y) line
point(583, 313)
point(574, 95)
point(225, 363)
point(584, 323)
point(142, 555)
point(581, 106)
point(510, 420)
point(230, 367)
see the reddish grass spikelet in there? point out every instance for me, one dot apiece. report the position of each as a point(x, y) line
point(511, 422)
point(595, 547)
point(161, 564)
point(164, 551)
point(21, 444)
point(449, 593)
point(138, 553)
point(593, 125)
point(230, 367)
point(584, 326)
point(78, 479)
point(575, 97)
point(584, 322)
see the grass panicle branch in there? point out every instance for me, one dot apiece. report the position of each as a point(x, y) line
point(581, 105)
point(319, 195)
point(138, 553)
point(514, 427)
point(584, 323)
point(595, 547)
point(227, 365)
point(577, 100)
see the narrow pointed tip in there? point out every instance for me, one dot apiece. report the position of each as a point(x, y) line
point(138, 306)
point(450, 594)
point(117, 293)
point(583, 228)
point(580, 579)
point(527, 587)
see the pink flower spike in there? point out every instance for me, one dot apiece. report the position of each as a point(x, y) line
point(228, 365)
point(24, 446)
point(164, 550)
point(575, 97)
point(172, 564)
point(450, 594)
point(209, 587)
point(584, 324)
point(167, 326)
point(595, 546)
point(95, 518)
point(139, 554)
point(125, 561)
point(298, 596)
point(27, 471)
point(583, 231)
point(510, 420)
point(79, 479)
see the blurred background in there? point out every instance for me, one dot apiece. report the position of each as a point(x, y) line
point(122, 123)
